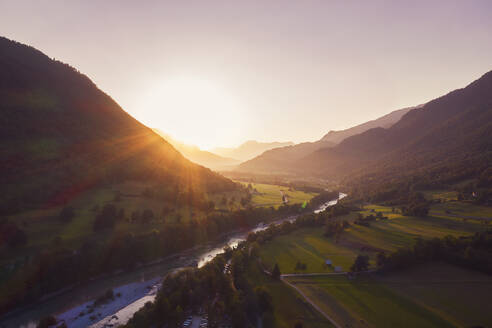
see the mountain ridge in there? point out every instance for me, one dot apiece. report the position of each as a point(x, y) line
point(62, 135)
point(199, 156)
point(249, 149)
point(283, 159)
point(384, 121)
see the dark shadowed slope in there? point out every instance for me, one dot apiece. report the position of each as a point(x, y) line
point(196, 155)
point(62, 135)
point(442, 136)
point(249, 149)
point(284, 160)
point(444, 133)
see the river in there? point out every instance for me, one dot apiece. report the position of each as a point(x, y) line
point(135, 288)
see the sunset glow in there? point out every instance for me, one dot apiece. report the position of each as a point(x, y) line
point(204, 113)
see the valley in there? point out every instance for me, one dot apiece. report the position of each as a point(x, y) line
point(254, 165)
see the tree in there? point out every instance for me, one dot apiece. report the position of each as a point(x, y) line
point(47, 322)
point(135, 216)
point(147, 216)
point(106, 219)
point(381, 259)
point(265, 302)
point(276, 272)
point(361, 263)
point(12, 235)
point(66, 214)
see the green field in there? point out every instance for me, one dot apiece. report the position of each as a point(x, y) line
point(289, 307)
point(271, 195)
point(309, 246)
point(437, 295)
point(460, 209)
point(43, 225)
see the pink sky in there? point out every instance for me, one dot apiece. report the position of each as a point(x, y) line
point(265, 70)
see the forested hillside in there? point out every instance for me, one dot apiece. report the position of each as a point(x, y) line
point(445, 141)
point(284, 159)
point(62, 135)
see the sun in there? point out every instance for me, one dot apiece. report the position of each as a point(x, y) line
point(193, 110)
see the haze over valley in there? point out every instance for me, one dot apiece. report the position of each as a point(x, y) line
point(245, 164)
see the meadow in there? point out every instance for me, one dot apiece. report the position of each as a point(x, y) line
point(289, 307)
point(311, 247)
point(436, 295)
point(271, 195)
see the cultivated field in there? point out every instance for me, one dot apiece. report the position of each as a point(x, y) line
point(309, 246)
point(437, 295)
point(289, 307)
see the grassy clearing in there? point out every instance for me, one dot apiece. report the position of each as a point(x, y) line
point(438, 295)
point(271, 195)
point(443, 195)
point(289, 307)
point(309, 246)
point(461, 209)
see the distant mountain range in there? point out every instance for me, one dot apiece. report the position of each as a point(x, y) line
point(447, 139)
point(249, 149)
point(202, 157)
point(385, 121)
point(60, 135)
point(284, 159)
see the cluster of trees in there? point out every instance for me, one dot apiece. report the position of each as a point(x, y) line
point(361, 264)
point(335, 228)
point(228, 299)
point(416, 205)
point(56, 267)
point(366, 220)
point(207, 289)
point(300, 266)
point(474, 252)
point(107, 217)
point(478, 191)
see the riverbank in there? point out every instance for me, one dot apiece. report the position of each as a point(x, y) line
point(87, 314)
point(138, 280)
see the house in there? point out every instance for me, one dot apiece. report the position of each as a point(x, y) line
point(328, 262)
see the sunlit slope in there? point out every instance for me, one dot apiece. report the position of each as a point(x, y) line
point(62, 135)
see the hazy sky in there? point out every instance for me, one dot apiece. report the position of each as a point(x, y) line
point(216, 73)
